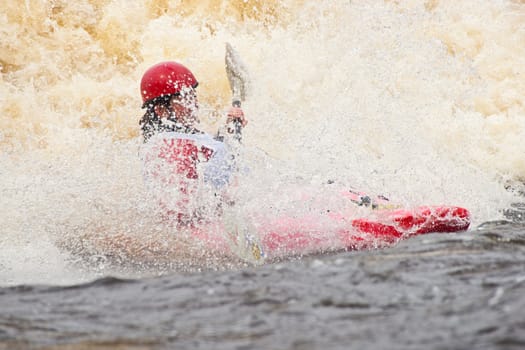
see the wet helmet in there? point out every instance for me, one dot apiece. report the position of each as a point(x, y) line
point(163, 79)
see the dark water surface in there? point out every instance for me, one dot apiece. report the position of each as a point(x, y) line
point(452, 291)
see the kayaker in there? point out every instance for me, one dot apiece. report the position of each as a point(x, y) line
point(176, 151)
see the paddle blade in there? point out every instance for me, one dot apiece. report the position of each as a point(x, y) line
point(237, 75)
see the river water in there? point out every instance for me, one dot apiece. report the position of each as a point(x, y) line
point(417, 100)
point(459, 291)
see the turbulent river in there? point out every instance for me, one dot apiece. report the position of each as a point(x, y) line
point(421, 101)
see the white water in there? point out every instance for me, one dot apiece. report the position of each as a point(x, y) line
point(421, 101)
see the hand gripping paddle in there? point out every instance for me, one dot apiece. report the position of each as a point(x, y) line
point(239, 82)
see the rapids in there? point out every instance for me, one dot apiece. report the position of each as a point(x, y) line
point(419, 100)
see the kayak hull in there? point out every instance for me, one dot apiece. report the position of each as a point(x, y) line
point(295, 236)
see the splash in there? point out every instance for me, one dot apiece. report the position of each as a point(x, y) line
point(420, 101)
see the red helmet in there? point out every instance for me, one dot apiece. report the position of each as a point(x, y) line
point(165, 78)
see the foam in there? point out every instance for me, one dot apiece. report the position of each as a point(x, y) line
point(419, 101)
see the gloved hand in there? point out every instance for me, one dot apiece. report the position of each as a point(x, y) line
point(236, 114)
point(235, 118)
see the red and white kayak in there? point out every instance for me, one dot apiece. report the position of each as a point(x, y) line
point(286, 237)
